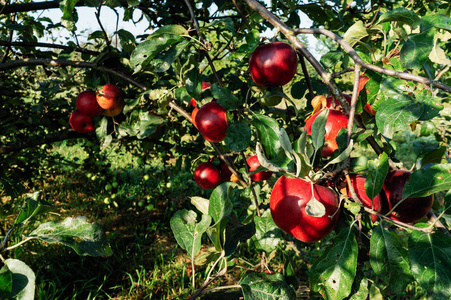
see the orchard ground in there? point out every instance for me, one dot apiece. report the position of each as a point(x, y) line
point(146, 261)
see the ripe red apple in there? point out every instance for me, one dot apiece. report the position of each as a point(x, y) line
point(86, 102)
point(81, 122)
point(253, 164)
point(207, 176)
point(410, 210)
point(335, 122)
point(211, 120)
point(273, 64)
point(109, 96)
point(115, 110)
point(358, 183)
point(287, 203)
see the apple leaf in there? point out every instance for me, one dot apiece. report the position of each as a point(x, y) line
point(395, 114)
point(6, 282)
point(415, 51)
point(389, 259)
point(235, 234)
point(342, 156)
point(377, 171)
point(147, 50)
point(315, 208)
point(70, 16)
point(402, 15)
point(33, 207)
point(163, 61)
point(430, 260)
point(262, 286)
point(225, 97)
point(200, 203)
point(428, 181)
point(187, 231)
point(220, 205)
point(333, 273)
point(319, 129)
point(83, 237)
point(268, 134)
point(148, 124)
point(355, 33)
point(437, 21)
point(23, 280)
point(267, 235)
point(238, 136)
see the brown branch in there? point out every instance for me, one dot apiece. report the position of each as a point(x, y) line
point(25, 7)
point(371, 67)
point(47, 45)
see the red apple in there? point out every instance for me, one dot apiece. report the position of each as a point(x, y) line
point(109, 96)
point(207, 176)
point(86, 102)
point(273, 64)
point(335, 122)
point(81, 122)
point(358, 183)
point(289, 198)
point(253, 164)
point(410, 210)
point(211, 120)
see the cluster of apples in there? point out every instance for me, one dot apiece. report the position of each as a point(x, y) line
point(89, 104)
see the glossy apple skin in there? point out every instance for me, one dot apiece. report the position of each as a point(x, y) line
point(273, 64)
point(207, 176)
point(109, 96)
point(86, 102)
point(335, 122)
point(410, 210)
point(211, 121)
point(81, 122)
point(287, 203)
point(358, 183)
point(114, 111)
point(253, 164)
point(193, 116)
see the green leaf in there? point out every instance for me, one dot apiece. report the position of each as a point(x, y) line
point(148, 124)
point(268, 134)
point(187, 231)
point(33, 207)
point(193, 83)
point(430, 260)
point(355, 33)
point(377, 171)
point(171, 29)
point(402, 15)
point(201, 204)
point(238, 136)
point(333, 273)
point(437, 21)
point(342, 156)
point(389, 259)
point(163, 61)
point(225, 98)
point(69, 16)
point(101, 130)
point(23, 280)
point(83, 237)
point(428, 181)
point(220, 205)
point(395, 114)
point(416, 50)
point(262, 286)
point(236, 234)
point(319, 129)
point(148, 49)
point(6, 282)
point(267, 235)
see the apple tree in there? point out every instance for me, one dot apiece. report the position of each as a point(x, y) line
point(218, 82)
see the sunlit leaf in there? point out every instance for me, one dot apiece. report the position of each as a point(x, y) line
point(262, 286)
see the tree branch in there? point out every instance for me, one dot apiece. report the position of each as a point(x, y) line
point(47, 45)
